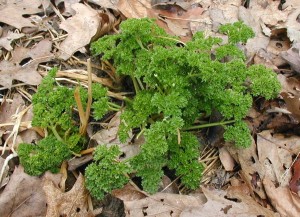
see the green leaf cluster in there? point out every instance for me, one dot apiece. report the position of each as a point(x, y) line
point(107, 172)
point(47, 155)
point(53, 109)
point(174, 83)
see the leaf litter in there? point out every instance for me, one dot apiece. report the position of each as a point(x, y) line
point(35, 36)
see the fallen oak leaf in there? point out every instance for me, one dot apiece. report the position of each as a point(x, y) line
point(219, 203)
point(12, 12)
point(282, 199)
point(81, 28)
point(71, 203)
point(23, 195)
point(5, 41)
point(27, 73)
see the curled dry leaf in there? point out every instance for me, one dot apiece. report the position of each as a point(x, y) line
point(12, 12)
point(226, 159)
point(81, 28)
point(282, 199)
point(71, 203)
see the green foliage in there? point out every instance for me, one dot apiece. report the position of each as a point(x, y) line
point(46, 155)
point(238, 133)
point(174, 84)
point(184, 159)
point(106, 172)
point(237, 32)
point(53, 108)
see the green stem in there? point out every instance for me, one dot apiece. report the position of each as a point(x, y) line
point(128, 100)
point(135, 84)
point(113, 109)
point(172, 39)
point(140, 43)
point(58, 137)
point(140, 83)
point(208, 125)
point(113, 105)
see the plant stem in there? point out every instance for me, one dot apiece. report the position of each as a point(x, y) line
point(57, 136)
point(208, 125)
point(113, 105)
point(172, 39)
point(135, 84)
point(140, 83)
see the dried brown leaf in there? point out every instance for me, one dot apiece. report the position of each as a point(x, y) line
point(128, 193)
point(250, 167)
point(5, 41)
point(133, 8)
point(81, 28)
point(23, 196)
point(71, 203)
point(12, 70)
point(7, 109)
point(221, 204)
point(293, 25)
point(226, 159)
point(106, 3)
point(109, 136)
point(274, 155)
point(12, 12)
point(161, 205)
point(282, 199)
point(292, 56)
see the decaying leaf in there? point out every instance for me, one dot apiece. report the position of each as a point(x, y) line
point(106, 3)
point(295, 181)
point(23, 196)
point(219, 203)
point(7, 109)
point(226, 159)
point(283, 200)
point(71, 203)
point(275, 156)
point(12, 12)
point(81, 28)
point(109, 137)
point(161, 205)
point(292, 56)
point(5, 41)
point(133, 8)
point(293, 26)
point(250, 167)
point(13, 70)
point(128, 193)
